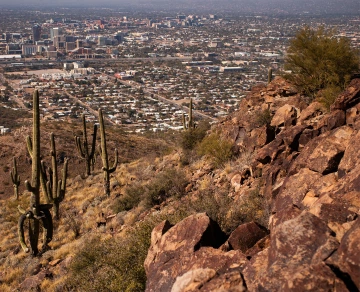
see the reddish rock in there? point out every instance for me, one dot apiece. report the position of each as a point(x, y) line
point(33, 283)
point(345, 261)
point(294, 189)
point(331, 121)
point(312, 113)
point(187, 246)
point(246, 235)
point(296, 253)
point(231, 281)
point(349, 98)
point(351, 156)
point(323, 154)
point(282, 114)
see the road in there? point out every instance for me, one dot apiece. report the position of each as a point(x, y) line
point(165, 100)
point(35, 61)
point(85, 105)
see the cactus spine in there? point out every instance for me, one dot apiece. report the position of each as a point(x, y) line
point(104, 156)
point(82, 147)
point(15, 178)
point(37, 212)
point(190, 124)
point(53, 188)
point(269, 75)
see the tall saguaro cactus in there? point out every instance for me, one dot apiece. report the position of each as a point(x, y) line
point(104, 156)
point(83, 149)
point(37, 212)
point(15, 178)
point(190, 124)
point(54, 188)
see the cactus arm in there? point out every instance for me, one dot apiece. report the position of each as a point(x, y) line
point(47, 225)
point(29, 146)
point(93, 144)
point(79, 147)
point(113, 168)
point(43, 182)
point(29, 187)
point(21, 233)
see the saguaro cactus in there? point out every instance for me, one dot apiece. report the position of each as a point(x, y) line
point(53, 188)
point(269, 75)
point(104, 156)
point(37, 212)
point(190, 124)
point(15, 178)
point(82, 146)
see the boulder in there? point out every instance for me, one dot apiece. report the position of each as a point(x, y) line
point(283, 114)
point(294, 189)
point(189, 245)
point(345, 261)
point(351, 156)
point(349, 98)
point(323, 153)
point(246, 235)
point(295, 258)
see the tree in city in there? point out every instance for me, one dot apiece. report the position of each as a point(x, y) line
point(320, 61)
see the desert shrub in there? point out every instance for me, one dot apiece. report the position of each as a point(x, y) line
point(191, 137)
point(263, 118)
point(254, 207)
point(115, 264)
point(318, 59)
point(72, 222)
point(130, 199)
point(166, 184)
point(218, 149)
point(328, 95)
point(229, 214)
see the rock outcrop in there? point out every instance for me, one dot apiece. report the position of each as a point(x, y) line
point(309, 162)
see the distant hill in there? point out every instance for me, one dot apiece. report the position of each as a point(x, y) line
point(323, 7)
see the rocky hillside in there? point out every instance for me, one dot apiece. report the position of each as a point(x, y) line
point(278, 213)
point(304, 162)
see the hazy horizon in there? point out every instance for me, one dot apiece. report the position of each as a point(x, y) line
point(245, 6)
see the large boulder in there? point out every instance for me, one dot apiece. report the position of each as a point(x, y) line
point(295, 258)
point(324, 153)
point(246, 235)
point(345, 261)
point(190, 245)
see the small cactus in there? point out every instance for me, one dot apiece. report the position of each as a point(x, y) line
point(83, 149)
point(15, 178)
point(53, 188)
point(189, 124)
point(104, 156)
point(269, 75)
point(37, 212)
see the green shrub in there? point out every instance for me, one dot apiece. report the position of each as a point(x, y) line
point(263, 118)
point(319, 59)
point(218, 149)
point(228, 214)
point(191, 137)
point(166, 184)
point(328, 96)
point(130, 199)
point(112, 265)
point(115, 264)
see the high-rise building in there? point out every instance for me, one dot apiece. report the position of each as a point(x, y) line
point(36, 30)
point(55, 32)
